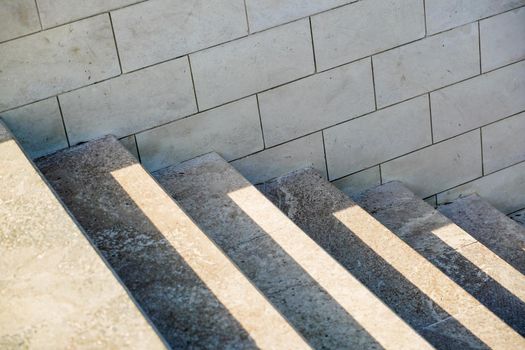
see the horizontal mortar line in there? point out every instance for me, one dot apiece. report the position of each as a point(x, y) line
point(516, 211)
point(356, 172)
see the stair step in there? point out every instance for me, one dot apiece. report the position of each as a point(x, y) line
point(55, 288)
point(519, 217)
point(325, 303)
point(393, 270)
point(191, 291)
point(490, 227)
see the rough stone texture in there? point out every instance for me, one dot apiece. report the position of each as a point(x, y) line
point(340, 226)
point(327, 305)
point(18, 18)
point(519, 217)
point(252, 64)
point(264, 14)
point(488, 97)
point(470, 264)
point(503, 189)
point(364, 28)
point(358, 182)
point(38, 127)
point(130, 103)
point(55, 290)
point(450, 163)
point(190, 290)
point(294, 110)
point(426, 65)
point(503, 143)
point(156, 30)
point(446, 14)
point(378, 137)
point(56, 60)
point(279, 160)
point(490, 227)
point(502, 39)
point(55, 12)
point(233, 130)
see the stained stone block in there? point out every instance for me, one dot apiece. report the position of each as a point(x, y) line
point(18, 18)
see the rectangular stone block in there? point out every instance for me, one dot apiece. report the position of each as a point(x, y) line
point(504, 143)
point(351, 32)
point(131, 145)
point(378, 137)
point(263, 14)
point(316, 102)
point(273, 162)
point(130, 103)
point(478, 101)
point(18, 18)
point(158, 30)
point(438, 167)
point(502, 39)
point(252, 64)
point(426, 65)
point(353, 184)
point(232, 130)
point(38, 127)
point(503, 189)
point(446, 14)
point(56, 60)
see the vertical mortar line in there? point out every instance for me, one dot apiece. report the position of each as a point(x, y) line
point(431, 124)
point(425, 16)
point(63, 122)
point(313, 45)
point(246, 14)
point(479, 46)
point(482, 156)
point(115, 40)
point(380, 175)
point(373, 81)
point(325, 158)
point(137, 147)
point(193, 83)
point(260, 120)
point(38, 13)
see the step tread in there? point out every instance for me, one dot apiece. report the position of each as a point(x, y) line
point(55, 288)
point(490, 227)
point(325, 303)
point(193, 294)
point(313, 203)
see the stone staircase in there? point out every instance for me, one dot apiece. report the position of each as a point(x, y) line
point(194, 256)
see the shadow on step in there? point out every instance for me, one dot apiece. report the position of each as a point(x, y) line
point(177, 301)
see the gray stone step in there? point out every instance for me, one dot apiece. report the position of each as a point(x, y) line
point(55, 289)
point(519, 217)
point(490, 227)
point(394, 271)
point(191, 291)
point(326, 304)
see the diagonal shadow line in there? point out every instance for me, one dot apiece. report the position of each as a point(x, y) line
point(312, 212)
point(178, 302)
point(299, 297)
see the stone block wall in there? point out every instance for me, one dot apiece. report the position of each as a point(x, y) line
point(429, 92)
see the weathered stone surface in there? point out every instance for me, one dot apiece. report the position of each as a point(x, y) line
point(519, 216)
point(326, 304)
point(18, 18)
point(490, 227)
point(192, 293)
point(157, 30)
point(471, 265)
point(55, 290)
point(38, 127)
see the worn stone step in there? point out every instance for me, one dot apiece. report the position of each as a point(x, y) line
point(490, 227)
point(55, 289)
point(482, 291)
point(518, 216)
point(396, 272)
point(192, 292)
point(326, 304)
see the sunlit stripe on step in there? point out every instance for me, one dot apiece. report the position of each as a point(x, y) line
point(390, 331)
point(246, 304)
point(430, 280)
point(485, 260)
